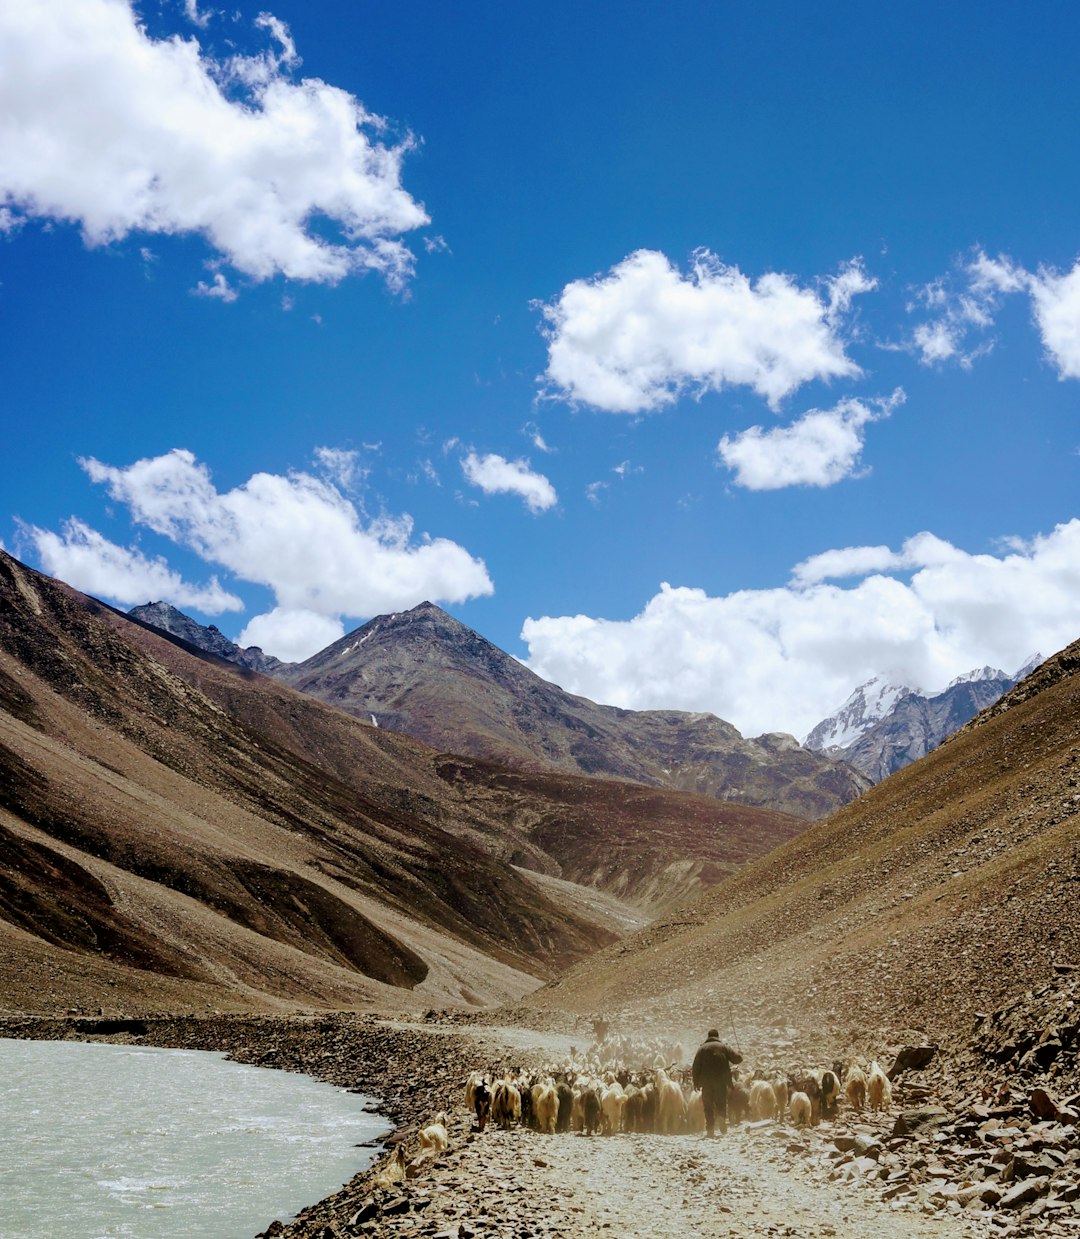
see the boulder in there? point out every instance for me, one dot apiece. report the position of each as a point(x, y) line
point(911, 1058)
point(1024, 1192)
point(924, 1118)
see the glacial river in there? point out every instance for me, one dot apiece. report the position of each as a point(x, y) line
point(106, 1141)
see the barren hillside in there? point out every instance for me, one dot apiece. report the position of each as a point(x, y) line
point(950, 888)
point(179, 832)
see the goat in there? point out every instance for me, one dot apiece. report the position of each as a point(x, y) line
point(435, 1135)
point(800, 1109)
point(545, 1107)
point(670, 1104)
point(855, 1087)
point(878, 1088)
point(762, 1100)
point(505, 1104)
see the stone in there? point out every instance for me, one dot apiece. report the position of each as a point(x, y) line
point(912, 1058)
point(1024, 1192)
point(1043, 1104)
point(924, 1118)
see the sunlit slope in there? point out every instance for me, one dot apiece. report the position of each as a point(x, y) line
point(952, 885)
point(194, 833)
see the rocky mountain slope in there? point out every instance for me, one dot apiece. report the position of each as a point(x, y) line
point(177, 832)
point(883, 727)
point(166, 617)
point(949, 889)
point(424, 673)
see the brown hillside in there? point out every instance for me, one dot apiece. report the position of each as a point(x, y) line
point(951, 887)
point(176, 832)
point(427, 674)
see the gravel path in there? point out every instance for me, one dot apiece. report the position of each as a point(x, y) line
point(764, 1181)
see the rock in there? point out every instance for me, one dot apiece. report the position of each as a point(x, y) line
point(1024, 1193)
point(365, 1213)
point(1043, 1104)
point(399, 1204)
point(867, 1146)
point(911, 1058)
point(924, 1118)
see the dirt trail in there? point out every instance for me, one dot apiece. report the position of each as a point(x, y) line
point(764, 1181)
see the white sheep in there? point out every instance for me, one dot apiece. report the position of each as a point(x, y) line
point(878, 1088)
point(800, 1109)
point(762, 1100)
point(434, 1135)
point(855, 1087)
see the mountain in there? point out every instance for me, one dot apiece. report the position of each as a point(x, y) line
point(178, 832)
point(883, 727)
point(424, 673)
point(947, 890)
point(211, 639)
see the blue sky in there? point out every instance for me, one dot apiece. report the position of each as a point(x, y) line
point(705, 356)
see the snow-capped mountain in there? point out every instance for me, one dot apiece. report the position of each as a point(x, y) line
point(867, 705)
point(883, 727)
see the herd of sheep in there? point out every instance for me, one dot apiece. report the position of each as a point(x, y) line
point(600, 1091)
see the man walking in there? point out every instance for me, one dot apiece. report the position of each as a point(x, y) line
point(712, 1074)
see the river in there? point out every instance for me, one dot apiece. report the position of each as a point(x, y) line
point(126, 1142)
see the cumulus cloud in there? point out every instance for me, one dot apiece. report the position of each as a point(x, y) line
point(781, 659)
point(105, 127)
point(495, 475)
point(965, 303)
point(90, 562)
point(220, 289)
point(296, 534)
point(341, 466)
point(638, 337)
point(819, 449)
point(1056, 304)
point(292, 636)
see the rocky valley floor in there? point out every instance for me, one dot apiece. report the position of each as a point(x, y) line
point(976, 1161)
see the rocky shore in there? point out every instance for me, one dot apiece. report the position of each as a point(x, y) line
point(982, 1138)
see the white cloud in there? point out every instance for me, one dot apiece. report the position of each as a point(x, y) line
point(296, 534)
point(781, 659)
point(220, 289)
point(1056, 302)
point(291, 636)
point(496, 475)
point(341, 466)
point(538, 441)
point(638, 337)
point(105, 127)
point(819, 449)
point(191, 12)
point(91, 563)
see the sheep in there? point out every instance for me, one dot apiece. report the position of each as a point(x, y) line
point(566, 1105)
point(830, 1093)
point(810, 1086)
point(505, 1104)
point(800, 1109)
point(395, 1169)
point(591, 1111)
point(545, 1107)
point(435, 1135)
point(878, 1088)
point(780, 1092)
point(738, 1103)
point(612, 1101)
point(762, 1100)
point(670, 1104)
point(695, 1112)
point(855, 1087)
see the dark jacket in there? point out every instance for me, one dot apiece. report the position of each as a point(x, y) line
point(712, 1065)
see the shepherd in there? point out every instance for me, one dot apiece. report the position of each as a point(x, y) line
point(712, 1074)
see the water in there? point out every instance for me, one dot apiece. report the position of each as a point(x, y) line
point(108, 1141)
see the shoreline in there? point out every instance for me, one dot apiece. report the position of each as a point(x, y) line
point(410, 1072)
